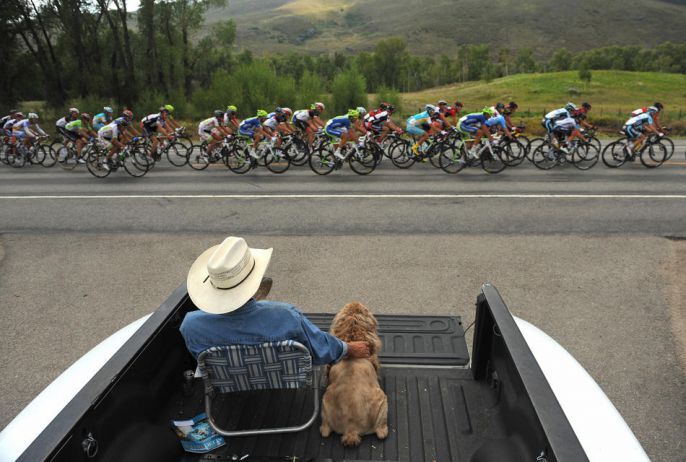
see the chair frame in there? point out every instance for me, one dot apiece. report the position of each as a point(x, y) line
point(211, 391)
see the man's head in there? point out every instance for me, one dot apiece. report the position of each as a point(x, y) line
point(226, 276)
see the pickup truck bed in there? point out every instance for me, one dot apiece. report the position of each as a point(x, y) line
point(442, 408)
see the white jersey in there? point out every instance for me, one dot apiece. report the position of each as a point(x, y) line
point(568, 123)
point(208, 125)
point(9, 124)
point(561, 113)
point(640, 119)
point(271, 122)
point(110, 130)
point(62, 122)
point(302, 115)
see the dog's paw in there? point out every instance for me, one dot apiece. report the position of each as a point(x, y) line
point(382, 432)
point(325, 430)
point(351, 439)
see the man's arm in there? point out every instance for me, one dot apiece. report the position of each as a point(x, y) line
point(327, 349)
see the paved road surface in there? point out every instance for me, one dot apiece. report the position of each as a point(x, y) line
point(570, 251)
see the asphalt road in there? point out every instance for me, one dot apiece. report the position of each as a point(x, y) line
point(593, 258)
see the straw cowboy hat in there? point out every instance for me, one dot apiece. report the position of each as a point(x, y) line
point(227, 275)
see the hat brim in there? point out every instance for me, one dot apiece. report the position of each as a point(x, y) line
point(219, 301)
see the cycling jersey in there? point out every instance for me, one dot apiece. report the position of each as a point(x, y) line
point(639, 120)
point(100, 120)
point(109, 131)
point(561, 113)
point(153, 119)
point(4, 120)
point(496, 113)
point(566, 125)
point(208, 125)
point(449, 111)
point(76, 125)
point(337, 126)
point(230, 120)
point(472, 122)
point(63, 121)
point(639, 111)
point(301, 118)
point(248, 126)
point(7, 127)
point(579, 114)
point(375, 119)
point(273, 120)
point(497, 120)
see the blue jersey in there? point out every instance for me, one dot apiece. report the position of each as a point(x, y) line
point(475, 119)
point(339, 122)
point(499, 120)
point(251, 124)
point(419, 119)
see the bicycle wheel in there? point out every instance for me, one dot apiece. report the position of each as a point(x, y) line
point(50, 156)
point(544, 156)
point(614, 154)
point(238, 160)
point(276, 160)
point(16, 159)
point(186, 142)
point(36, 155)
point(363, 162)
point(136, 163)
point(492, 160)
point(95, 163)
point(531, 147)
point(593, 141)
point(451, 160)
point(322, 160)
point(585, 156)
point(669, 144)
point(198, 158)
point(177, 154)
point(400, 153)
point(514, 153)
point(434, 153)
point(654, 155)
point(298, 152)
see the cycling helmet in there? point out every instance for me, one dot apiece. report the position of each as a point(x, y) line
point(430, 108)
point(653, 110)
point(123, 121)
point(318, 106)
point(73, 110)
point(32, 116)
point(231, 109)
point(586, 106)
point(86, 116)
point(390, 108)
point(362, 111)
point(107, 110)
point(127, 113)
point(19, 114)
point(218, 113)
point(659, 106)
point(384, 106)
point(287, 111)
point(459, 104)
point(353, 114)
point(499, 106)
point(489, 111)
point(278, 110)
point(512, 105)
point(570, 107)
point(169, 108)
point(442, 103)
point(262, 113)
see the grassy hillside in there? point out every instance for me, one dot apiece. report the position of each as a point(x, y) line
point(440, 26)
point(613, 95)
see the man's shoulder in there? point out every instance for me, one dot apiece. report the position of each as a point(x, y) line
point(269, 305)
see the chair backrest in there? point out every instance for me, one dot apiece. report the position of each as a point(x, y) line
point(271, 365)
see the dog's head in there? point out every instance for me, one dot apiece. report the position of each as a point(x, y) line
point(356, 323)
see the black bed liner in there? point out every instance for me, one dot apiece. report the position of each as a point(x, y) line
point(500, 409)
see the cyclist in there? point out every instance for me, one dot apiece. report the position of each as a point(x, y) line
point(71, 116)
point(636, 127)
point(308, 121)
point(654, 111)
point(28, 129)
point(550, 118)
point(509, 109)
point(277, 124)
point(231, 122)
point(252, 128)
point(80, 130)
point(9, 123)
point(102, 119)
point(12, 115)
point(159, 122)
point(342, 129)
point(581, 114)
point(421, 125)
point(439, 116)
point(129, 129)
point(379, 121)
point(210, 130)
point(568, 128)
point(453, 112)
point(497, 120)
point(113, 136)
point(474, 125)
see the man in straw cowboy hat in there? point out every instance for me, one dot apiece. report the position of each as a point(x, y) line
point(222, 283)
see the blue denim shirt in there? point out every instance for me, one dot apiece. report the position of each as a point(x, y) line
point(258, 322)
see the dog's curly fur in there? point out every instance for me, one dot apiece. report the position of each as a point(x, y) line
point(354, 404)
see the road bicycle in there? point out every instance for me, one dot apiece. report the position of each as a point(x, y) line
point(402, 155)
point(489, 156)
point(582, 154)
point(363, 157)
point(176, 147)
point(132, 157)
point(17, 154)
point(65, 153)
point(652, 153)
point(238, 159)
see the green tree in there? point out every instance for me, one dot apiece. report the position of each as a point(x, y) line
point(388, 95)
point(389, 56)
point(585, 73)
point(348, 90)
point(561, 60)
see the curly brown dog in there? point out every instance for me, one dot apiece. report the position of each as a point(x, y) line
point(354, 404)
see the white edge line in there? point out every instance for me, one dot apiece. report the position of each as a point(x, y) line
point(353, 196)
